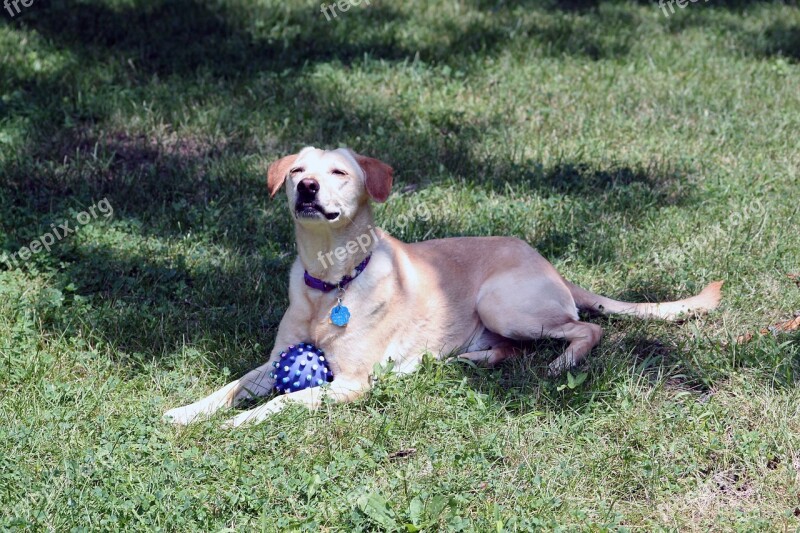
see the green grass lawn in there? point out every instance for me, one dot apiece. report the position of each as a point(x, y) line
point(644, 155)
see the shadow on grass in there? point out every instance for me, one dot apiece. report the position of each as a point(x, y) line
point(183, 37)
point(780, 40)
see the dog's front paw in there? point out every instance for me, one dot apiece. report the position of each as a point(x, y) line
point(238, 421)
point(248, 417)
point(183, 416)
point(257, 415)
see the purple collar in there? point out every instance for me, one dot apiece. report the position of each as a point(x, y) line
point(324, 286)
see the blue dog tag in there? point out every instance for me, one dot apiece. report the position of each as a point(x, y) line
point(340, 315)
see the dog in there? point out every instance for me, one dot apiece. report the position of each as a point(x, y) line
point(474, 297)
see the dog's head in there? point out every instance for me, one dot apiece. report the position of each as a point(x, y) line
point(329, 186)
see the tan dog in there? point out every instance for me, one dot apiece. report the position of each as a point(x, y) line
point(471, 296)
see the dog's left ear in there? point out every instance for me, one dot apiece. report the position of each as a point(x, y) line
point(276, 174)
point(378, 176)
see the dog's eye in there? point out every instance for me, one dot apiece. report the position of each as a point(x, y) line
point(338, 172)
point(296, 170)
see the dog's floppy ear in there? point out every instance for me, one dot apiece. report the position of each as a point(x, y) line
point(276, 174)
point(378, 176)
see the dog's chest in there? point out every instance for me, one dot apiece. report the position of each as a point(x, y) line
point(366, 318)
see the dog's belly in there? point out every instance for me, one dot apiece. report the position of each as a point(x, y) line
point(407, 348)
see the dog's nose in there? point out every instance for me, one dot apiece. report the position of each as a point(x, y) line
point(308, 188)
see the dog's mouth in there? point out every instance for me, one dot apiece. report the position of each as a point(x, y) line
point(313, 210)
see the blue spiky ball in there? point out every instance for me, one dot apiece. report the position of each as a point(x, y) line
point(301, 366)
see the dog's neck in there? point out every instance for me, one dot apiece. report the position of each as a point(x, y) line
point(318, 244)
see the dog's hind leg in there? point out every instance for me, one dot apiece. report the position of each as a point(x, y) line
point(526, 309)
point(583, 336)
point(489, 357)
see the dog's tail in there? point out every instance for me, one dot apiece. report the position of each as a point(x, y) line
point(704, 302)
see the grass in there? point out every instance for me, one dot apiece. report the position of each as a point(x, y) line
point(644, 156)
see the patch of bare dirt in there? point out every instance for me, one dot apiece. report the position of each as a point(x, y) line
point(721, 493)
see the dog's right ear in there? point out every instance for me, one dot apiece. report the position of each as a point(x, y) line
point(276, 174)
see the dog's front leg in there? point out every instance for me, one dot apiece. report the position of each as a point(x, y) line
point(342, 389)
point(254, 384)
